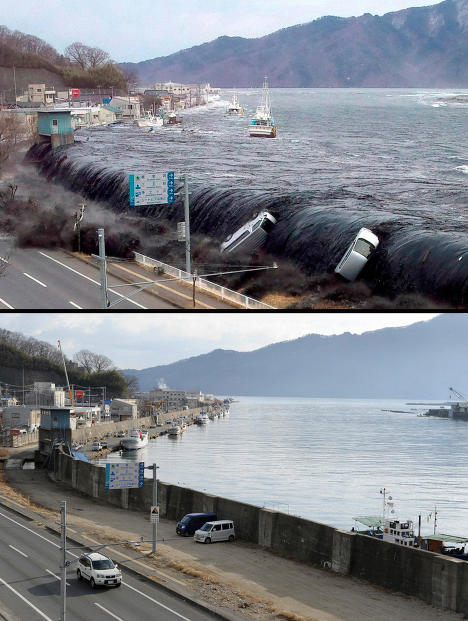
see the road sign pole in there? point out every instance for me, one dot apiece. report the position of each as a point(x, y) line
point(63, 582)
point(188, 267)
point(103, 267)
point(155, 504)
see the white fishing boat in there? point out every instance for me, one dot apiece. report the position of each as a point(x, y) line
point(175, 430)
point(135, 440)
point(263, 125)
point(149, 121)
point(202, 418)
point(234, 108)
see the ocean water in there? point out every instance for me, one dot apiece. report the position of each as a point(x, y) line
point(391, 160)
point(324, 459)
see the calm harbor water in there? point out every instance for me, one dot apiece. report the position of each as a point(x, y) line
point(324, 459)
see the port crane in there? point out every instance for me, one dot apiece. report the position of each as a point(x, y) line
point(458, 394)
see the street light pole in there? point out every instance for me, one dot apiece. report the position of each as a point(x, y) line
point(155, 504)
point(63, 581)
point(188, 267)
point(103, 267)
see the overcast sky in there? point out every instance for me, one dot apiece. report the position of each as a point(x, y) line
point(145, 340)
point(140, 30)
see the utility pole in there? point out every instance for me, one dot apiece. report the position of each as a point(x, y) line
point(103, 268)
point(63, 581)
point(77, 225)
point(14, 80)
point(188, 267)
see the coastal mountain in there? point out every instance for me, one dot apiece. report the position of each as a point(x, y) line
point(416, 362)
point(416, 47)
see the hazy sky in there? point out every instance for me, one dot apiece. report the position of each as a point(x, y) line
point(135, 31)
point(144, 340)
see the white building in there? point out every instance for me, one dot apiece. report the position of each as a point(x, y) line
point(45, 393)
point(21, 417)
point(130, 107)
point(123, 409)
point(176, 399)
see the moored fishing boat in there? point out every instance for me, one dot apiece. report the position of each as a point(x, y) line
point(263, 125)
point(135, 440)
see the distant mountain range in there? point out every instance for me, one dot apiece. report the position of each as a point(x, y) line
point(416, 47)
point(416, 362)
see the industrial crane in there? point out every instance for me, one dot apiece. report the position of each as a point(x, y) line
point(458, 394)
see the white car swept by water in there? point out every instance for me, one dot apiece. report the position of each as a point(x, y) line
point(250, 236)
point(357, 254)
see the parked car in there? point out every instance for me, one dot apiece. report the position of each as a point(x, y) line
point(220, 530)
point(357, 254)
point(193, 521)
point(96, 446)
point(121, 434)
point(99, 570)
point(104, 444)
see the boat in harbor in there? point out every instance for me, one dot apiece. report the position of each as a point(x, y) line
point(174, 430)
point(172, 118)
point(135, 440)
point(149, 121)
point(263, 125)
point(234, 108)
point(202, 418)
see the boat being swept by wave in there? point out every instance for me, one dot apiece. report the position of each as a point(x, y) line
point(263, 125)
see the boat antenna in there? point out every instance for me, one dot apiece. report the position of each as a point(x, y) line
point(70, 395)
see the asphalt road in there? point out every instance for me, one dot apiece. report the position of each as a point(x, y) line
point(52, 279)
point(30, 584)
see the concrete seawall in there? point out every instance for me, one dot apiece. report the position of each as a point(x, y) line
point(435, 579)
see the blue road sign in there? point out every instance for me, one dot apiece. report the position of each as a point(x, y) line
point(151, 188)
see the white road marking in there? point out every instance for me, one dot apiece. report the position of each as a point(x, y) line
point(75, 305)
point(26, 601)
point(76, 556)
point(91, 280)
point(6, 304)
point(55, 576)
point(35, 280)
point(108, 611)
point(156, 602)
point(16, 550)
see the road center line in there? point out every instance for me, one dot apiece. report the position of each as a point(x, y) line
point(108, 611)
point(6, 304)
point(16, 550)
point(55, 576)
point(25, 600)
point(90, 279)
point(35, 280)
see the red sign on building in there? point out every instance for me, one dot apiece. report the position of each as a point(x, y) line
point(75, 92)
point(79, 394)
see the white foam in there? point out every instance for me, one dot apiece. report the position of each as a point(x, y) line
point(463, 169)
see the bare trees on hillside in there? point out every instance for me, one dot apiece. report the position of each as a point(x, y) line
point(86, 57)
point(11, 130)
point(93, 363)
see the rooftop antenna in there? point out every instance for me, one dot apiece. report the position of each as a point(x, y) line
point(70, 395)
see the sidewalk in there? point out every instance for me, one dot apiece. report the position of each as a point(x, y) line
point(242, 578)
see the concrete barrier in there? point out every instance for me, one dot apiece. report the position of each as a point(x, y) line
point(436, 579)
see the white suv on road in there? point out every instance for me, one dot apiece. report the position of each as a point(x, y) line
point(99, 570)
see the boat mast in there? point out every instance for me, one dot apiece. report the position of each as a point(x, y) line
point(265, 97)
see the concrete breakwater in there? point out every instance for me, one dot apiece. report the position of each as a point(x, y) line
point(433, 578)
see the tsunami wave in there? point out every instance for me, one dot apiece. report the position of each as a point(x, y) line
point(314, 228)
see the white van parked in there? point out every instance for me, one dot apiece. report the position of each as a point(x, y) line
point(219, 530)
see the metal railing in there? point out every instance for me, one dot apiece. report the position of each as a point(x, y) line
point(201, 284)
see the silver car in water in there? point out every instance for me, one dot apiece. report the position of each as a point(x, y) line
point(357, 254)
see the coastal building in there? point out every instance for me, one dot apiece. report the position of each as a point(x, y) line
point(56, 426)
point(44, 393)
point(130, 107)
point(21, 417)
point(176, 399)
point(123, 409)
point(54, 125)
